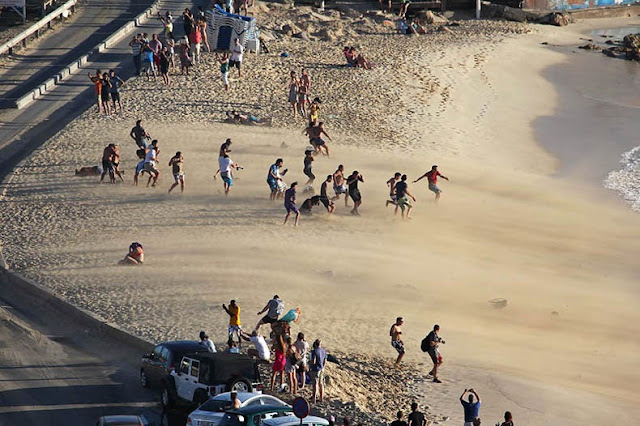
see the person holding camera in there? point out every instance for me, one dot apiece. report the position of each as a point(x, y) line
point(471, 408)
point(434, 341)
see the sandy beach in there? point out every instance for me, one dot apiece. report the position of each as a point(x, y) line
point(512, 223)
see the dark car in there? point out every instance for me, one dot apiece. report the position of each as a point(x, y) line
point(253, 415)
point(155, 366)
point(202, 375)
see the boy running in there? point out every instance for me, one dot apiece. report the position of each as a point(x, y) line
point(402, 192)
point(290, 203)
point(176, 163)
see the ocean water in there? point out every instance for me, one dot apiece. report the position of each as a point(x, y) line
point(626, 181)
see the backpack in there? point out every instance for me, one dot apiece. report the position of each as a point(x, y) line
point(424, 345)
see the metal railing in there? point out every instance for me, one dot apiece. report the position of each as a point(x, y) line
point(35, 28)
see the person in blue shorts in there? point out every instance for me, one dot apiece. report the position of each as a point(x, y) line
point(274, 176)
point(226, 166)
point(432, 178)
point(290, 203)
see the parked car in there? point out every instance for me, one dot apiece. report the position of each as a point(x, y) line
point(202, 375)
point(255, 415)
point(121, 421)
point(211, 412)
point(155, 366)
point(294, 421)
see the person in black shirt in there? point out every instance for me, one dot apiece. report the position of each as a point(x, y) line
point(402, 194)
point(434, 340)
point(354, 192)
point(416, 418)
point(305, 208)
point(225, 148)
point(398, 421)
point(308, 161)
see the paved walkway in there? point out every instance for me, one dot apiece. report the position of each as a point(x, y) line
point(22, 131)
point(95, 21)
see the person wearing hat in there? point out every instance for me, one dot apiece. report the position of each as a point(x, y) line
point(204, 341)
point(314, 108)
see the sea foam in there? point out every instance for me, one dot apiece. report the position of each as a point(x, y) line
point(626, 181)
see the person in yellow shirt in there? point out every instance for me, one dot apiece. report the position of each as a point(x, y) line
point(235, 326)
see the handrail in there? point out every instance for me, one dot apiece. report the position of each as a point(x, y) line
point(37, 26)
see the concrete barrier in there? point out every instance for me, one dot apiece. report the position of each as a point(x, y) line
point(74, 66)
point(35, 28)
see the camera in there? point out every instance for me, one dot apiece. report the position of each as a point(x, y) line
point(441, 341)
point(239, 168)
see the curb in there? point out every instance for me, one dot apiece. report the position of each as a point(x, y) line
point(26, 288)
point(113, 39)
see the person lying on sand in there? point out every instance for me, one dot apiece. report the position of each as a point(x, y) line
point(135, 257)
point(305, 208)
point(235, 117)
point(88, 171)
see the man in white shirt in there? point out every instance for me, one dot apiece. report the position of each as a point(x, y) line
point(262, 349)
point(236, 57)
point(226, 164)
point(150, 161)
point(204, 341)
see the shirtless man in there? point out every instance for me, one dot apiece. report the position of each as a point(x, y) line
point(315, 133)
point(107, 163)
point(176, 163)
point(339, 185)
point(391, 183)
point(396, 338)
point(116, 162)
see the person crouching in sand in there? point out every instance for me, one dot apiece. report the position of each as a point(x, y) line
point(135, 257)
point(290, 203)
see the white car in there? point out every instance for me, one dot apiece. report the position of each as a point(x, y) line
point(211, 412)
point(294, 421)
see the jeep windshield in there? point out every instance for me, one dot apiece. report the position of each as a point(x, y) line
point(215, 405)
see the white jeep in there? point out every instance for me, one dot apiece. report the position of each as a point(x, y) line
point(202, 375)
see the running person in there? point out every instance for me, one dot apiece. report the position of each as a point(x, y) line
point(273, 177)
point(226, 165)
point(308, 160)
point(290, 203)
point(176, 163)
point(107, 163)
point(354, 192)
point(396, 338)
point(402, 192)
point(391, 183)
point(339, 186)
point(432, 178)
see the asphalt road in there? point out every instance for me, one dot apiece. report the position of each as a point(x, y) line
point(54, 370)
point(22, 131)
point(94, 21)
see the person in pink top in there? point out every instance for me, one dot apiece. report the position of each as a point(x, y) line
point(155, 44)
point(196, 42)
point(432, 178)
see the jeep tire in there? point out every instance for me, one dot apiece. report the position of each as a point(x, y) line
point(239, 385)
point(166, 397)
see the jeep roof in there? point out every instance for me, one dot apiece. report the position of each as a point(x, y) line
point(222, 367)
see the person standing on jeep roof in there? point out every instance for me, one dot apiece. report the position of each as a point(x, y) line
point(204, 341)
point(274, 308)
point(235, 326)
